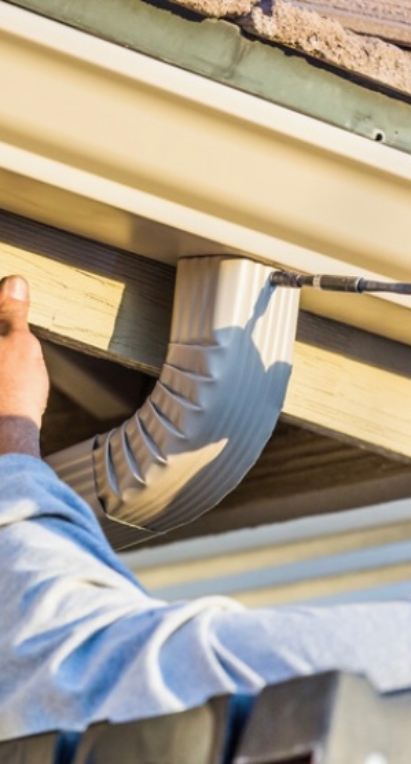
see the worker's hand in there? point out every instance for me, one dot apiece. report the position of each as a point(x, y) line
point(24, 382)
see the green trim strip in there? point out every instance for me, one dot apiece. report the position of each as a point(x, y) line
point(219, 50)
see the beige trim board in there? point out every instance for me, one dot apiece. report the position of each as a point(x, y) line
point(324, 587)
point(89, 296)
point(345, 396)
point(162, 162)
point(249, 560)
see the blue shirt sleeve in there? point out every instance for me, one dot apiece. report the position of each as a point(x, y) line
point(81, 641)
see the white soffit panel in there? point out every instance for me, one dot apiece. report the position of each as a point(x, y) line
point(116, 146)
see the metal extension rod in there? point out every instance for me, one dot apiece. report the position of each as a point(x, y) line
point(337, 283)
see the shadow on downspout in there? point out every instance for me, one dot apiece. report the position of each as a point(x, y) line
point(211, 412)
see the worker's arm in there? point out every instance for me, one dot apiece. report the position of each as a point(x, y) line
point(81, 641)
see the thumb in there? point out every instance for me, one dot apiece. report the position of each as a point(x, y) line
point(14, 304)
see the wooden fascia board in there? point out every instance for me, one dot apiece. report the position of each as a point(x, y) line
point(166, 163)
point(91, 297)
point(118, 305)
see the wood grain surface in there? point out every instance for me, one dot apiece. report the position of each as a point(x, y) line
point(117, 305)
point(85, 295)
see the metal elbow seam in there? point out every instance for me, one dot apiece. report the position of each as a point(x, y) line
point(212, 410)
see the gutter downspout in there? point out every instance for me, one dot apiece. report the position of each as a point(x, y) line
point(211, 412)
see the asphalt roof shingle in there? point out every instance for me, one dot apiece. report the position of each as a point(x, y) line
point(388, 19)
point(326, 39)
point(298, 24)
point(219, 8)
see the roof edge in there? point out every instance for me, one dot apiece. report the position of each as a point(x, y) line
point(220, 51)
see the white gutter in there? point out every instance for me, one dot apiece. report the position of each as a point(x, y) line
point(118, 147)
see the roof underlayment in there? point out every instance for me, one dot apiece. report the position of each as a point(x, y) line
point(317, 35)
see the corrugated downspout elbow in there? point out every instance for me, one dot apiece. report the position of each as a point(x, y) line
point(212, 410)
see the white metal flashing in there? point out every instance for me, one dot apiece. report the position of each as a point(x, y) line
point(118, 147)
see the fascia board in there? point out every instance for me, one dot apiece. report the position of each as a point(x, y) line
point(116, 146)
